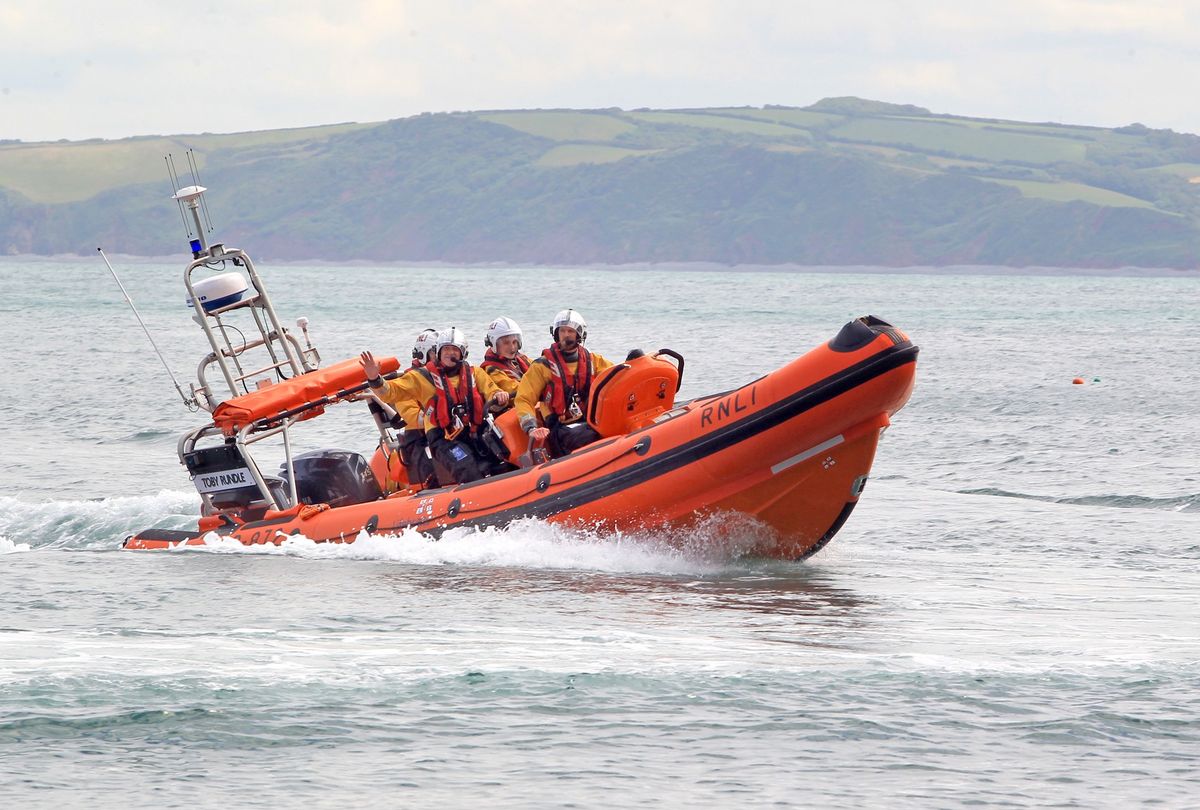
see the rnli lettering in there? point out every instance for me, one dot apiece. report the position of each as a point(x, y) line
point(225, 479)
point(425, 509)
point(729, 405)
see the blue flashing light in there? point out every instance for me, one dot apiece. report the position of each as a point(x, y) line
point(195, 243)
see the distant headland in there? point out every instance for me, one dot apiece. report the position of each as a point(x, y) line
point(843, 182)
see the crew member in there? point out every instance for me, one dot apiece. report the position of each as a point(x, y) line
point(561, 379)
point(503, 360)
point(455, 413)
point(408, 396)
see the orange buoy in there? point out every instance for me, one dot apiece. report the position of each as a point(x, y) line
point(1077, 381)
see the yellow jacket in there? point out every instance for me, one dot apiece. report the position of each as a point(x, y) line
point(533, 386)
point(411, 393)
point(408, 394)
point(483, 383)
point(505, 381)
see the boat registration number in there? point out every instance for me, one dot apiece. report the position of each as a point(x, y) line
point(222, 480)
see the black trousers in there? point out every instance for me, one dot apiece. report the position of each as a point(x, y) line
point(460, 459)
point(566, 439)
point(416, 461)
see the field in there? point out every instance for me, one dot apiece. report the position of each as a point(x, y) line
point(70, 171)
point(1068, 192)
point(563, 126)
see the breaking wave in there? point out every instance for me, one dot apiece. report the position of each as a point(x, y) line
point(9, 547)
point(1180, 503)
point(709, 546)
point(102, 523)
point(706, 548)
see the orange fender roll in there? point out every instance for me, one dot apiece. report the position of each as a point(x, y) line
point(234, 414)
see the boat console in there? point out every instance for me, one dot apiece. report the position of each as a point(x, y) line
point(258, 381)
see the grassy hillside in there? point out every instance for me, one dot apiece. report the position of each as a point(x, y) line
point(68, 171)
point(845, 181)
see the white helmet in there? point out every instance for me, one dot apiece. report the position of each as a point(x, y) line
point(426, 343)
point(571, 318)
point(452, 337)
point(500, 328)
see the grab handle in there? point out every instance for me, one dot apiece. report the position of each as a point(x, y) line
point(678, 357)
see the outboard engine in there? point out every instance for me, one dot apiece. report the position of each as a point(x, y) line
point(335, 477)
point(223, 479)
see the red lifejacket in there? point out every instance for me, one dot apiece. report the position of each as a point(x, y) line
point(514, 368)
point(462, 400)
point(565, 386)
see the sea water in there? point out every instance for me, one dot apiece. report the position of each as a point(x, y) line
point(1009, 618)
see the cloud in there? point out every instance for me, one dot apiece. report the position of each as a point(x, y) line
point(137, 67)
point(920, 78)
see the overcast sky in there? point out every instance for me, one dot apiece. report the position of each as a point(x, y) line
point(131, 67)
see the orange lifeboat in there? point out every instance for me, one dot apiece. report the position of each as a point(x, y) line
point(790, 451)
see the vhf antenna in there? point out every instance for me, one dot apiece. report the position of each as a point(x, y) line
point(190, 402)
point(193, 196)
